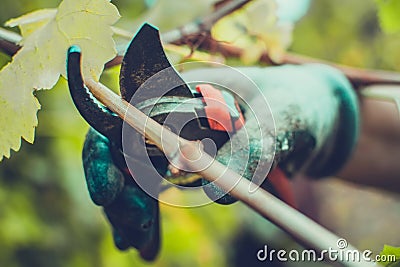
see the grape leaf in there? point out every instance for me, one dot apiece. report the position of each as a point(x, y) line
point(389, 252)
point(32, 21)
point(388, 12)
point(256, 29)
point(47, 34)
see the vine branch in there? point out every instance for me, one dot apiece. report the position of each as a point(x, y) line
point(9, 41)
point(199, 31)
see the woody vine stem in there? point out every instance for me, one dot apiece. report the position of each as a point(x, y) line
point(198, 33)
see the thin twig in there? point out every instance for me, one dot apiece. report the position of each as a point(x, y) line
point(190, 154)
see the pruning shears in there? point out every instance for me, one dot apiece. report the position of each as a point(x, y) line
point(209, 112)
point(150, 83)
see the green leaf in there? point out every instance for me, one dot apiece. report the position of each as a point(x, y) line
point(255, 29)
point(390, 252)
point(388, 12)
point(47, 34)
point(30, 22)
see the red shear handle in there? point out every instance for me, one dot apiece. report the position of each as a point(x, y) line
point(218, 110)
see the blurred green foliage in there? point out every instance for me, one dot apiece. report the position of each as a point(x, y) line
point(46, 216)
point(388, 12)
point(347, 32)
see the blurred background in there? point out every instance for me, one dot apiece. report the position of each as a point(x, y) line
point(47, 218)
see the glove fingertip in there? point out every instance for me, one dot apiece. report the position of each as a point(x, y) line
point(104, 182)
point(119, 241)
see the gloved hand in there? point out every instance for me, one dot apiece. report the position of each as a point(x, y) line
point(133, 214)
point(316, 120)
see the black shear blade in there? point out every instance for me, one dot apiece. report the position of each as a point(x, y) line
point(98, 116)
point(146, 62)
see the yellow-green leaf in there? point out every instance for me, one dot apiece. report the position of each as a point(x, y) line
point(47, 34)
point(255, 29)
point(390, 256)
point(32, 21)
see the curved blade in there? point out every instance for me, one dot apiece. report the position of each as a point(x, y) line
point(98, 116)
point(144, 58)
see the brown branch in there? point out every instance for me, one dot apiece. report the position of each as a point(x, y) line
point(9, 48)
point(195, 33)
point(9, 42)
point(191, 155)
point(358, 76)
